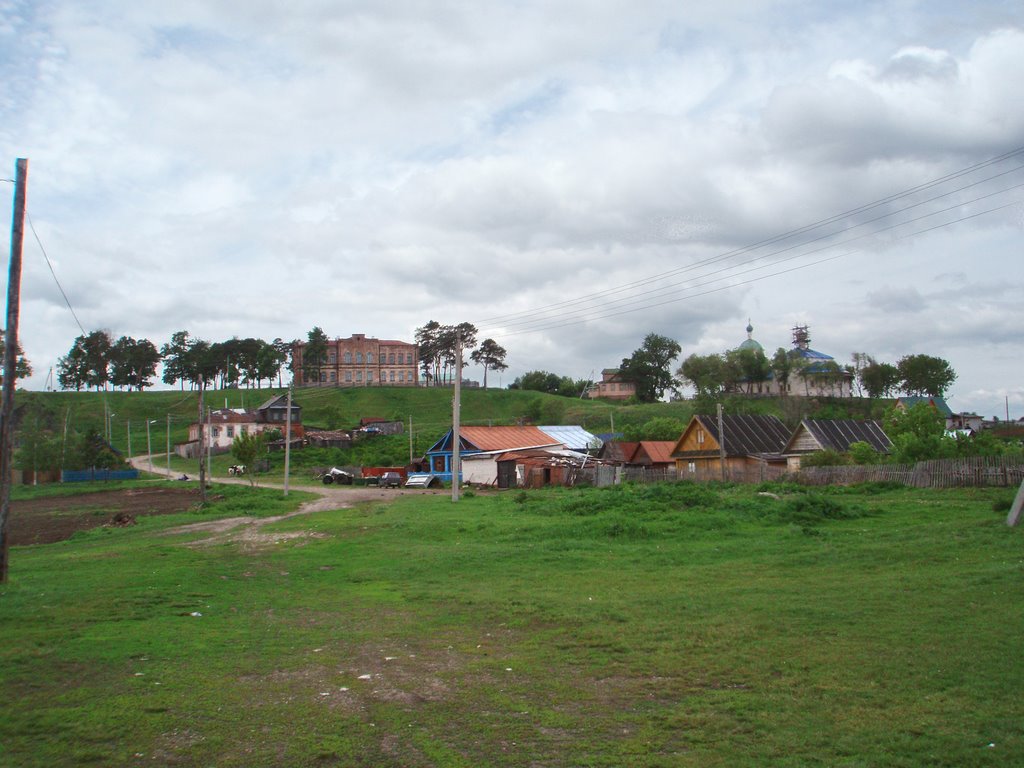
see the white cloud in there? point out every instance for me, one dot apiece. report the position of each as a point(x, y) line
point(256, 169)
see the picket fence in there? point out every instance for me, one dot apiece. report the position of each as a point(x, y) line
point(976, 471)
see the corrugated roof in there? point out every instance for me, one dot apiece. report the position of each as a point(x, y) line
point(838, 434)
point(747, 434)
point(503, 438)
point(574, 437)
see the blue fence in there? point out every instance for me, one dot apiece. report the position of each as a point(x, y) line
point(87, 475)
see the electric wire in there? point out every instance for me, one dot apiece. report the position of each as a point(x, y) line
point(666, 289)
point(494, 320)
point(571, 320)
point(546, 317)
point(53, 273)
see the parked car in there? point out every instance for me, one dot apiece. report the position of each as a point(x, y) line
point(339, 476)
point(391, 480)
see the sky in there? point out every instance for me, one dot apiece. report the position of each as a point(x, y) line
point(567, 176)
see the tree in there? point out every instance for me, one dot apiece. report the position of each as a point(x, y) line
point(22, 369)
point(925, 375)
point(751, 365)
point(879, 379)
point(427, 340)
point(658, 428)
point(649, 367)
point(705, 373)
point(551, 383)
point(174, 355)
point(782, 369)
point(490, 355)
point(86, 363)
point(133, 363)
point(314, 356)
point(248, 448)
point(918, 433)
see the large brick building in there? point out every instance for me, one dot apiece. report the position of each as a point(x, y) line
point(360, 361)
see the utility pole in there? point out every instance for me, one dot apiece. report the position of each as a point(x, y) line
point(721, 442)
point(456, 406)
point(11, 355)
point(287, 440)
point(168, 445)
point(202, 441)
point(410, 438)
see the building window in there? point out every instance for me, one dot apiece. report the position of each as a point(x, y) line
point(215, 431)
point(230, 431)
point(369, 358)
point(391, 359)
point(700, 437)
point(348, 376)
point(348, 358)
point(332, 358)
point(692, 466)
point(438, 464)
point(245, 429)
point(408, 359)
point(323, 375)
point(401, 375)
point(369, 375)
point(334, 376)
point(359, 376)
point(392, 377)
point(359, 358)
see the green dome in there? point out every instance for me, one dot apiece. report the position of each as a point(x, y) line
point(750, 343)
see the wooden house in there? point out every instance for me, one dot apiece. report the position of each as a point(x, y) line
point(655, 454)
point(617, 451)
point(479, 447)
point(751, 446)
point(834, 435)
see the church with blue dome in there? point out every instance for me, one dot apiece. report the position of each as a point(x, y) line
point(812, 373)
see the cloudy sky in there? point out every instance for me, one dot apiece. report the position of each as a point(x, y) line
point(567, 175)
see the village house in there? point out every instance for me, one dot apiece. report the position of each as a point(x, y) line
point(833, 435)
point(224, 425)
point(612, 386)
point(481, 447)
point(360, 361)
point(751, 446)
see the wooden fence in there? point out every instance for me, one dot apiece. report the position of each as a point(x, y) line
point(976, 471)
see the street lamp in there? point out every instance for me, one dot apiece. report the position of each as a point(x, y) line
point(149, 445)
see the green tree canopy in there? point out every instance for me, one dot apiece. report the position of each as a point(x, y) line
point(650, 367)
point(925, 375)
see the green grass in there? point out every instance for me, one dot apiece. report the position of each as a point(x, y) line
point(667, 625)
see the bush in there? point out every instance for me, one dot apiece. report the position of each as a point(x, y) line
point(825, 458)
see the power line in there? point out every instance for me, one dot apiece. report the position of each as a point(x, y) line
point(54, 274)
point(552, 315)
point(654, 293)
point(569, 320)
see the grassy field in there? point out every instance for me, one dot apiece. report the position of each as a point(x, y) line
point(667, 625)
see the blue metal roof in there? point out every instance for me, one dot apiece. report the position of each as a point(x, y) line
point(574, 438)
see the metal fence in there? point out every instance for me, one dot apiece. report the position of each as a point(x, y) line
point(105, 475)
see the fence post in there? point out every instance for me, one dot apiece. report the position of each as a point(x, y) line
point(1018, 503)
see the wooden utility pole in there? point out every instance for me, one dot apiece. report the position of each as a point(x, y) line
point(202, 440)
point(721, 441)
point(11, 355)
point(287, 440)
point(456, 406)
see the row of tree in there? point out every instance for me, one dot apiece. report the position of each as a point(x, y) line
point(741, 370)
point(95, 360)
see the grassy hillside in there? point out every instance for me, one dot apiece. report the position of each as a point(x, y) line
point(668, 625)
point(430, 410)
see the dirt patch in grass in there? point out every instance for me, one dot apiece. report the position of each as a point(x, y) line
point(56, 518)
